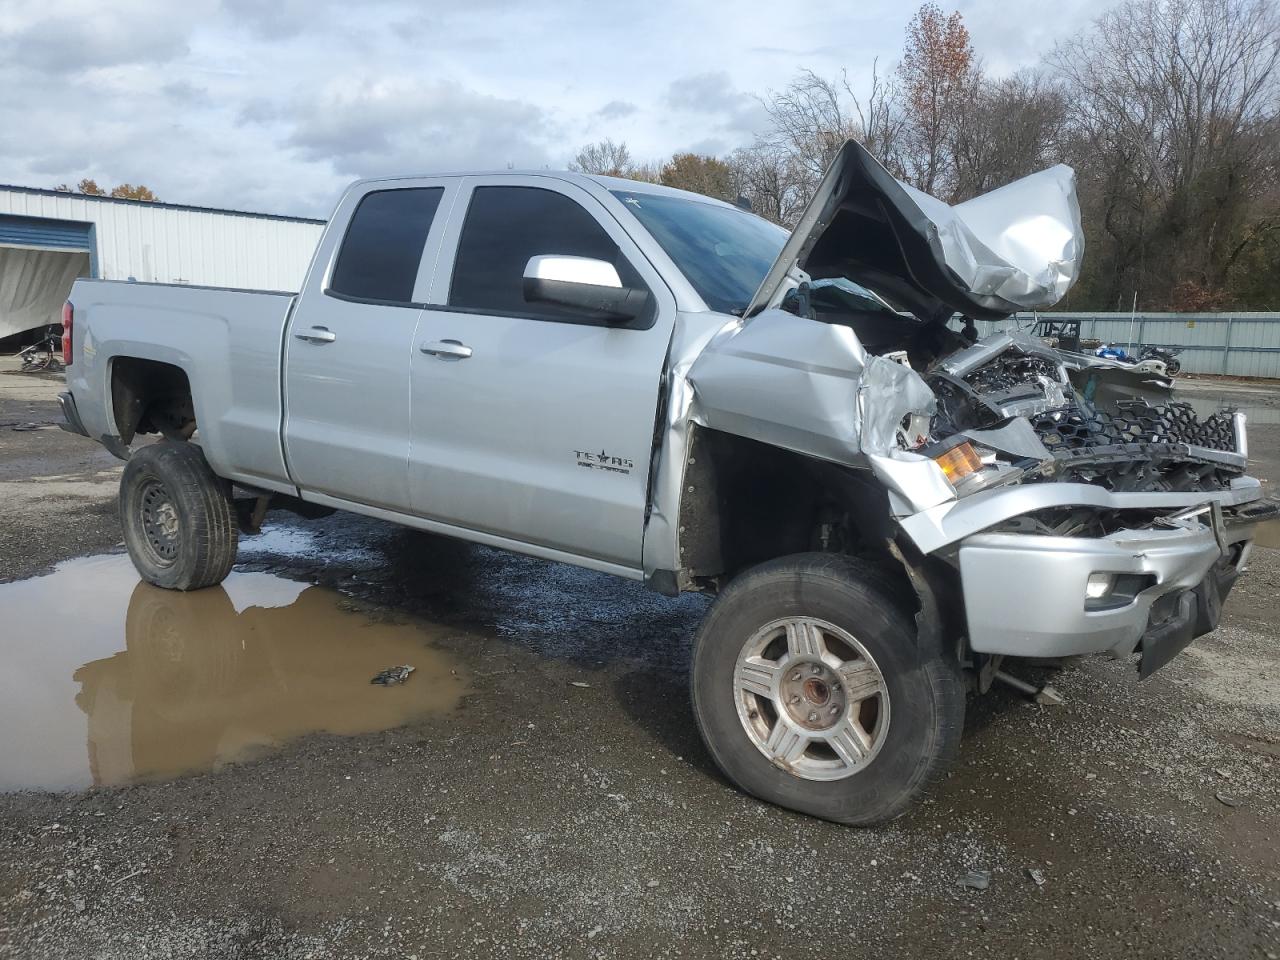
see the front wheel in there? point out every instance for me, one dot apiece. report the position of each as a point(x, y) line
point(178, 517)
point(812, 691)
point(1172, 367)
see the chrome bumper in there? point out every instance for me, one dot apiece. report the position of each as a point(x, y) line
point(1025, 594)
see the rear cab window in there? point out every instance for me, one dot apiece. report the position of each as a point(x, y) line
point(382, 249)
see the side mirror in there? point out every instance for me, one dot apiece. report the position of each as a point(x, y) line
point(584, 283)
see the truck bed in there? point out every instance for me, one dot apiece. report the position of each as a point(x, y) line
point(226, 341)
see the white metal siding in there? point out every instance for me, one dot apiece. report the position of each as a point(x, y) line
point(171, 245)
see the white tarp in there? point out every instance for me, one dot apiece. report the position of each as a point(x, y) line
point(34, 284)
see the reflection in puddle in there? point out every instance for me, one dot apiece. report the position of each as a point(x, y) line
point(106, 679)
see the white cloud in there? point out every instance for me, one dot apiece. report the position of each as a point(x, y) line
point(401, 124)
point(274, 106)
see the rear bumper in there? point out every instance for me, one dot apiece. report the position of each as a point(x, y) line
point(70, 415)
point(1025, 594)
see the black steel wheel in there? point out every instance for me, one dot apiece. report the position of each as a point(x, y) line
point(178, 517)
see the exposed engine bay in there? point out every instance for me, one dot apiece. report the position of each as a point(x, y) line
point(1034, 412)
point(1085, 435)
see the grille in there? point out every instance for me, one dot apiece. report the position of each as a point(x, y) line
point(1136, 421)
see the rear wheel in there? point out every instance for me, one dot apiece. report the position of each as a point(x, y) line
point(178, 517)
point(812, 691)
point(1173, 367)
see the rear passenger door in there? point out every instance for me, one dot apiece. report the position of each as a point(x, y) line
point(544, 430)
point(350, 340)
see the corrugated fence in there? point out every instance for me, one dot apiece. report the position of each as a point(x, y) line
point(1235, 344)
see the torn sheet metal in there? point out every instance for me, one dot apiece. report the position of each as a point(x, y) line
point(661, 540)
point(1105, 383)
point(806, 386)
point(888, 394)
point(1018, 247)
point(1016, 438)
point(914, 482)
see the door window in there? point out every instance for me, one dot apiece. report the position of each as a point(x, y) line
point(383, 245)
point(505, 226)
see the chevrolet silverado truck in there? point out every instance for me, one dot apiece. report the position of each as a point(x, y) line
point(888, 512)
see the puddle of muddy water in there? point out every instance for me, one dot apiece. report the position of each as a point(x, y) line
point(107, 680)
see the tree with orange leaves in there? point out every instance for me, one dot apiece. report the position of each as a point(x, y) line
point(937, 74)
point(126, 191)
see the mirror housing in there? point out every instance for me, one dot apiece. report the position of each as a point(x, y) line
point(583, 283)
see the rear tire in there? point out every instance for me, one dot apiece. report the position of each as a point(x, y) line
point(178, 517)
point(1173, 368)
point(811, 690)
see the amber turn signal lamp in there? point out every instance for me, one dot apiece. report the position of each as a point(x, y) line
point(959, 462)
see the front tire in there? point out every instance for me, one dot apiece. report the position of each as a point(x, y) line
point(811, 690)
point(178, 517)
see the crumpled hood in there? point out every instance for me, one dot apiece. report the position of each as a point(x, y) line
point(1018, 247)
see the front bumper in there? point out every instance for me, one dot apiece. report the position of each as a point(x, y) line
point(1025, 594)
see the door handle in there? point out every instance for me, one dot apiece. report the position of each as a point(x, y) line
point(318, 335)
point(447, 349)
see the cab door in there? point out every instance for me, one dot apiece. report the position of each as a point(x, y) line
point(350, 341)
point(532, 421)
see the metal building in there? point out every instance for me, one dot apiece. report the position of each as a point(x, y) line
point(1235, 344)
point(48, 238)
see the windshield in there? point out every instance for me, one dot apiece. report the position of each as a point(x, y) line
point(724, 252)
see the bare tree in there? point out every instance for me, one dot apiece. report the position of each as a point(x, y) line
point(772, 181)
point(1173, 122)
point(809, 120)
point(1003, 130)
point(604, 158)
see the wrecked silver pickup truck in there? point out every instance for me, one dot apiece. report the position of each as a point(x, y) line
point(664, 387)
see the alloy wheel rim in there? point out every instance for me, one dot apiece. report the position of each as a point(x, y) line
point(811, 698)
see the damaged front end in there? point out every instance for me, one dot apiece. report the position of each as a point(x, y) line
point(1019, 398)
point(1126, 519)
point(1078, 506)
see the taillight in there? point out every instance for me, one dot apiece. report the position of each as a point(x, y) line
point(68, 319)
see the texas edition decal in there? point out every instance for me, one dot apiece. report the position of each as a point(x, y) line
point(603, 461)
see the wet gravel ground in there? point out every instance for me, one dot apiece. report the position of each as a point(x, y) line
point(568, 808)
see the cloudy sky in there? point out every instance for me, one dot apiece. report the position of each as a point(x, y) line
point(272, 105)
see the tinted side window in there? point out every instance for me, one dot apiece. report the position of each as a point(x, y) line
point(383, 246)
point(505, 226)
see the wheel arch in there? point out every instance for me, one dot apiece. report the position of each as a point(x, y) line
point(150, 396)
point(744, 501)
